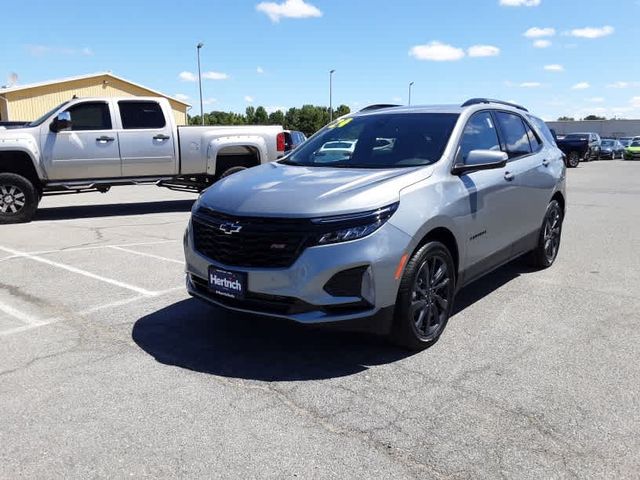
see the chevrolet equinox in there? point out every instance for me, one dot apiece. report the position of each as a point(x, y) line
point(382, 214)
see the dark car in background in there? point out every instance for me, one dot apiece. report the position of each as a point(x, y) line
point(293, 139)
point(580, 147)
point(611, 149)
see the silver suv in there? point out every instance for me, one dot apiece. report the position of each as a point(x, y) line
point(382, 215)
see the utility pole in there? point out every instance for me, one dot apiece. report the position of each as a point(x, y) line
point(199, 46)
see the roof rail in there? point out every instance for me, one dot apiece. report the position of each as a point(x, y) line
point(378, 106)
point(476, 101)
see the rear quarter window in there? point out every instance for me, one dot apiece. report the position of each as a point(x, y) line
point(139, 115)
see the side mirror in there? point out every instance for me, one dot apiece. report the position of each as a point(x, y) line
point(481, 160)
point(62, 122)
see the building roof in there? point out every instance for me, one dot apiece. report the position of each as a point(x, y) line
point(16, 88)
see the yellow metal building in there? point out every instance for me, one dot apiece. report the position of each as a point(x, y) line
point(28, 102)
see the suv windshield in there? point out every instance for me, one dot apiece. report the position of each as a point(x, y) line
point(378, 141)
point(37, 122)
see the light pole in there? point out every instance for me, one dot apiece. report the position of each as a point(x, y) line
point(199, 46)
point(410, 85)
point(331, 95)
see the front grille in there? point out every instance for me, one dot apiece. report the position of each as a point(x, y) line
point(249, 241)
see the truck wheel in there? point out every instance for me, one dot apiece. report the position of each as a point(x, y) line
point(425, 298)
point(573, 159)
point(231, 171)
point(18, 199)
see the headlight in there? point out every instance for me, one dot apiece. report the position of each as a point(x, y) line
point(342, 228)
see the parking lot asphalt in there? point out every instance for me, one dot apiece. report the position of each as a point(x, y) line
point(108, 368)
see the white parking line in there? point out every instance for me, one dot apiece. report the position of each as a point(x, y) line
point(78, 271)
point(97, 247)
point(17, 314)
point(145, 254)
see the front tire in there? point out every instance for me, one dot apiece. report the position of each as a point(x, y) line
point(425, 298)
point(18, 199)
point(548, 245)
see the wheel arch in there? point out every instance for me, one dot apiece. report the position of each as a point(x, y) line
point(21, 163)
point(561, 200)
point(448, 239)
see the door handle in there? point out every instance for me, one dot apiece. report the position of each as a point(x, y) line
point(105, 139)
point(508, 176)
point(161, 137)
point(546, 162)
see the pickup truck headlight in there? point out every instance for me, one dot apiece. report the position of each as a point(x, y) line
point(342, 228)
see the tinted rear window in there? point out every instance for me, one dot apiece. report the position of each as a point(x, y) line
point(378, 141)
point(141, 115)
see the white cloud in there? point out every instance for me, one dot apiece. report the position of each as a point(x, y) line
point(554, 67)
point(288, 9)
point(635, 102)
point(181, 96)
point(620, 84)
point(595, 100)
point(536, 32)
point(41, 50)
point(437, 52)
point(187, 77)
point(192, 77)
point(520, 3)
point(581, 86)
point(592, 32)
point(209, 101)
point(215, 76)
point(483, 51)
point(542, 43)
point(259, 70)
point(397, 99)
point(530, 85)
point(248, 99)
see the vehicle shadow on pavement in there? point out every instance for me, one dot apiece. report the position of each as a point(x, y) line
point(112, 210)
point(190, 334)
point(199, 337)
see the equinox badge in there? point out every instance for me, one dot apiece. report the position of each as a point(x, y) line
point(229, 228)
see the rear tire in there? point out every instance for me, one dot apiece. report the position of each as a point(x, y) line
point(18, 199)
point(425, 298)
point(573, 159)
point(548, 245)
point(231, 171)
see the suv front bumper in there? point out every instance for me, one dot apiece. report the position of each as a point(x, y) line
point(298, 292)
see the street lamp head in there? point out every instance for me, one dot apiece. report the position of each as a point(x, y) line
point(200, 45)
point(331, 71)
point(411, 83)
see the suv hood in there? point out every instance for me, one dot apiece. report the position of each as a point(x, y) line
point(278, 190)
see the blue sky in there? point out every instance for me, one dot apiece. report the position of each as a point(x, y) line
point(278, 54)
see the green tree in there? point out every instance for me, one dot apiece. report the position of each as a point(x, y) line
point(250, 113)
point(342, 110)
point(566, 119)
point(276, 118)
point(593, 117)
point(261, 116)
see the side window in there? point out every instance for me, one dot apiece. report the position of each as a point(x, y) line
point(90, 116)
point(534, 141)
point(141, 114)
point(543, 129)
point(514, 133)
point(479, 134)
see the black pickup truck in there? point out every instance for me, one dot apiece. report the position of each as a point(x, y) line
point(580, 147)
